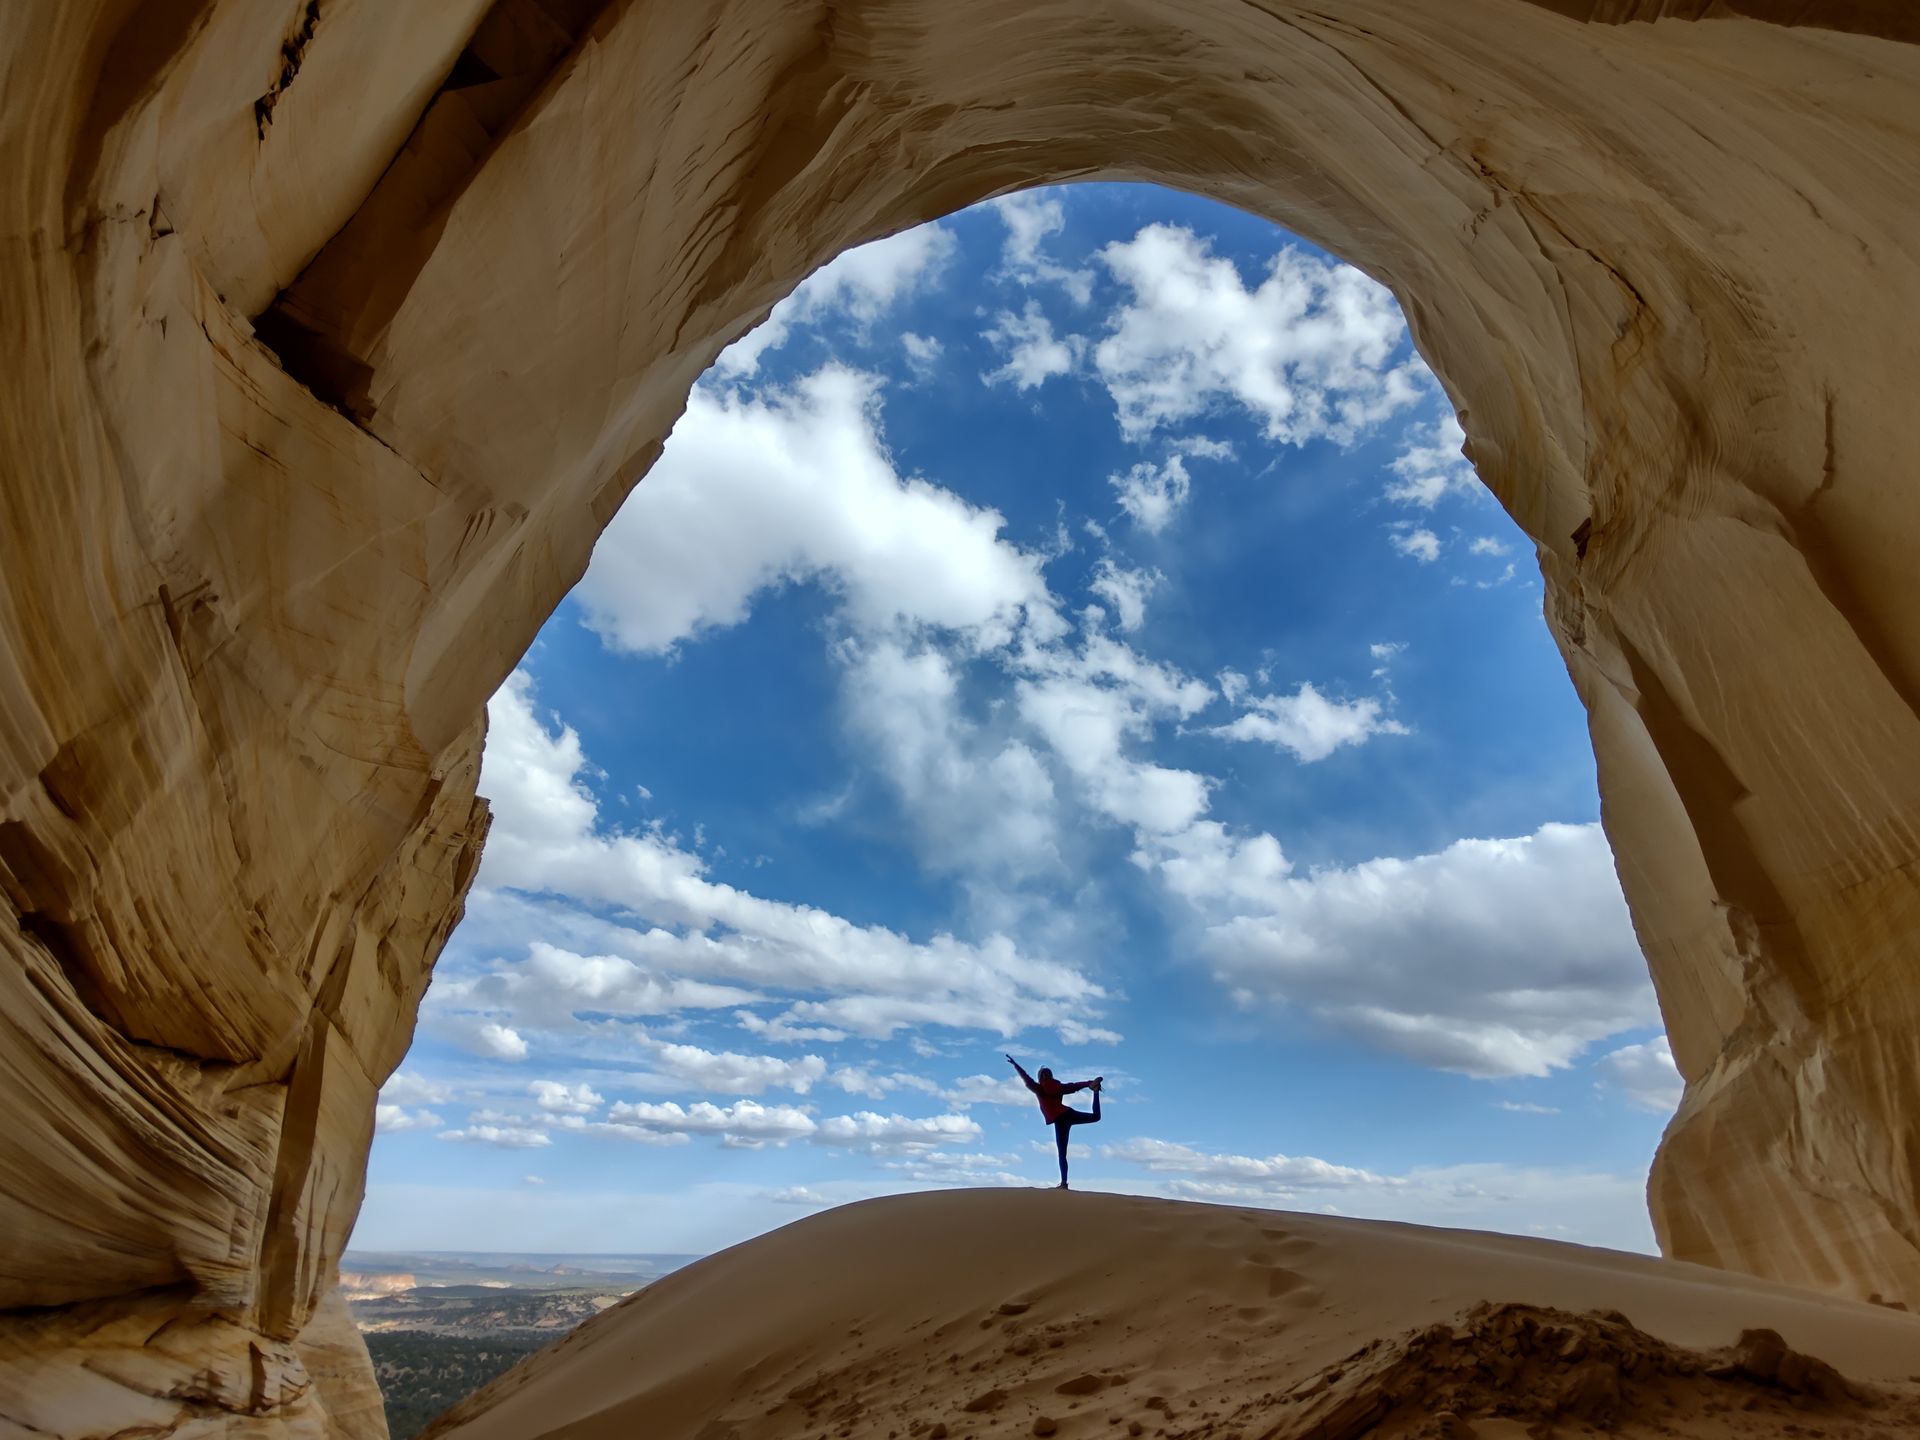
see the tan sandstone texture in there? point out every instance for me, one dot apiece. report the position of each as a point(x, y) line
point(335, 331)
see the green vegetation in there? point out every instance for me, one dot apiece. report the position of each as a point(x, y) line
point(422, 1374)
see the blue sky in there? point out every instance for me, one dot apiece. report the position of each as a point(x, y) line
point(1070, 629)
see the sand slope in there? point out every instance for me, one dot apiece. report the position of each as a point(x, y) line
point(995, 1312)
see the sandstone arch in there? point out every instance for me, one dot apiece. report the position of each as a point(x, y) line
point(253, 598)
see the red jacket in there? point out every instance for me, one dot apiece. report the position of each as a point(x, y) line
point(1048, 1093)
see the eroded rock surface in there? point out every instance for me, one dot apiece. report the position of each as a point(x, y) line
point(338, 330)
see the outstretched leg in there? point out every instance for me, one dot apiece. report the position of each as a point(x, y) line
point(1061, 1129)
point(1096, 1099)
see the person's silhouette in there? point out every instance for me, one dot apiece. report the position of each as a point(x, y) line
point(1063, 1118)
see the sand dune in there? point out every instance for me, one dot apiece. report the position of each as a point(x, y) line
point(1013, 1313)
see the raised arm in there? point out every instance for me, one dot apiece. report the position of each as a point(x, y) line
point(1026, 1078)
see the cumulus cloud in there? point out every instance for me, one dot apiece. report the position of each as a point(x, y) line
point(798, 1195)
point(392, 1119)
point(692, 943)
point(492, 1040)
point(859, 1080)
point(1125, 591)
point(1281, 1175)
point(1308, 725)
point(1416, 543)
point(1595, 1208)
point(932, 1167)
point(1092, 706)
point(1490, 957)
point(862, 283)
point(405, 1087)
point(1430, 465)
point(1030, 218)
point(1487, 545)
point(1645, 1074)
point(1152, 494)
point(980, 798)
point(506, 1137)
point(745, 1124)
point(1309, 351)
point(986, 1090)
point(1034, 354)
point(693, 1068)
point(923, 353)
point(563, 1099)
point(872, 1132)
point(755, 492)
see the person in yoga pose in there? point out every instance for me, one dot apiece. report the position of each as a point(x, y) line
point(1062, 1117)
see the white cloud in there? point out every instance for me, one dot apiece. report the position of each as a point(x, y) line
point(495, 1041)
point(507, 1137)
point(987, 1090)
point(1417, 543)
point(1090, 707)
point(862, 283)
point(798, 1195)
point(744, 1124)
point(1491, 957)
point(1034, 353)
point(755, 492)
point(1202, 448)
point(1277, 1174)
point(1309, 725)
point(1125, 591)
point(1526, 1107)
point(562, 1099)
point(923, 353)
point(532, 1180)
point(1645, 1074)
point(934, 1167)
point(1593, 1208)
point(392, 1119)
point(872, 1132)
point(404, 1087)
point(696, 1069)
point(1030, 218)
point(1487, 545)
point(1152, 494)
point(859, 1080)
point(981, 799)
point(1308, 351)
point(749, 1125)
point(1431, 466)
point(688, 942)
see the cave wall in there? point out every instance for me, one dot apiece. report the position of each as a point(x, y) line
point(337, 331)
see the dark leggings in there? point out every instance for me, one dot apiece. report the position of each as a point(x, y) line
point(1064, 1125)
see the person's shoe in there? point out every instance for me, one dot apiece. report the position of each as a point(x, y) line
point(1098, 1081)
point(1061, 1186)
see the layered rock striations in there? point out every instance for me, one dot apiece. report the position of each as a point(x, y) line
point(337, 330)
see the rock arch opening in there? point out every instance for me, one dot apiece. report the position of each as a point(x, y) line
point(1051, 623)
point(1657, 253)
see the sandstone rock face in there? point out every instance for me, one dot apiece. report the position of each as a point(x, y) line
point(337, 330)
